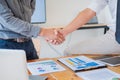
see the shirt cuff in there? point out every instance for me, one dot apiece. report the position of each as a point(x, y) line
point(35, 31)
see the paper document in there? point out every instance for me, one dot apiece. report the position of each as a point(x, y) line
point(42, 67)
point(81, 63)
point(98, 74)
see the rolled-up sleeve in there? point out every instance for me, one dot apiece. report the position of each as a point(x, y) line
point(14, 24)
point(97, 5)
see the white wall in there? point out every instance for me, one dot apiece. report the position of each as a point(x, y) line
point(60, 13)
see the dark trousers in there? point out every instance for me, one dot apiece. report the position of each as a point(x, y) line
point(27, 46)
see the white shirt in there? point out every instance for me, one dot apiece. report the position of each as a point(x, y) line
point(98, 5)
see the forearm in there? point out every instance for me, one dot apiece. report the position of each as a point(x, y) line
point(21, 27)
point(82, 18)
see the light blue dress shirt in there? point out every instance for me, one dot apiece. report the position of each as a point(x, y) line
point(15, 17)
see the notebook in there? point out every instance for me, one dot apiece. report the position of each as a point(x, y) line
point(81, 63)
point(13, 65)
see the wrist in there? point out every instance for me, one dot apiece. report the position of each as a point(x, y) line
point(65, 32)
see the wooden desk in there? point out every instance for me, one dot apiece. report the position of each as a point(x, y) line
point(67, 74)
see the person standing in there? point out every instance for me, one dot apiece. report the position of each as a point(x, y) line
point(105, 44)
point(16, 30)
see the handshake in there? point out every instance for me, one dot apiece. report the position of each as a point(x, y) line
point(53, 35)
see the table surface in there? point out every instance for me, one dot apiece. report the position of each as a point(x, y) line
point(67, 74)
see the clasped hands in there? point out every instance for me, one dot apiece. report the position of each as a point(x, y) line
point(52, 35)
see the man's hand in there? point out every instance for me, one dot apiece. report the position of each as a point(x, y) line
point(52, 35)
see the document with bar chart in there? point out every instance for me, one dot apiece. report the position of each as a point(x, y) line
point(81, 63)
point(43, 67)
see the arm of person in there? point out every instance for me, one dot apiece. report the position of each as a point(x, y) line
point(14, 24)
point(11, 23)
point(84, 16)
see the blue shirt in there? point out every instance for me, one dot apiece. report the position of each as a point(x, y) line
point(15, 17)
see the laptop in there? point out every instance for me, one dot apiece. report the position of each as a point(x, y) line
point(112, 61)
point(13, 66)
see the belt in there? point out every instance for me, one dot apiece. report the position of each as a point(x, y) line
point(19, 40)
